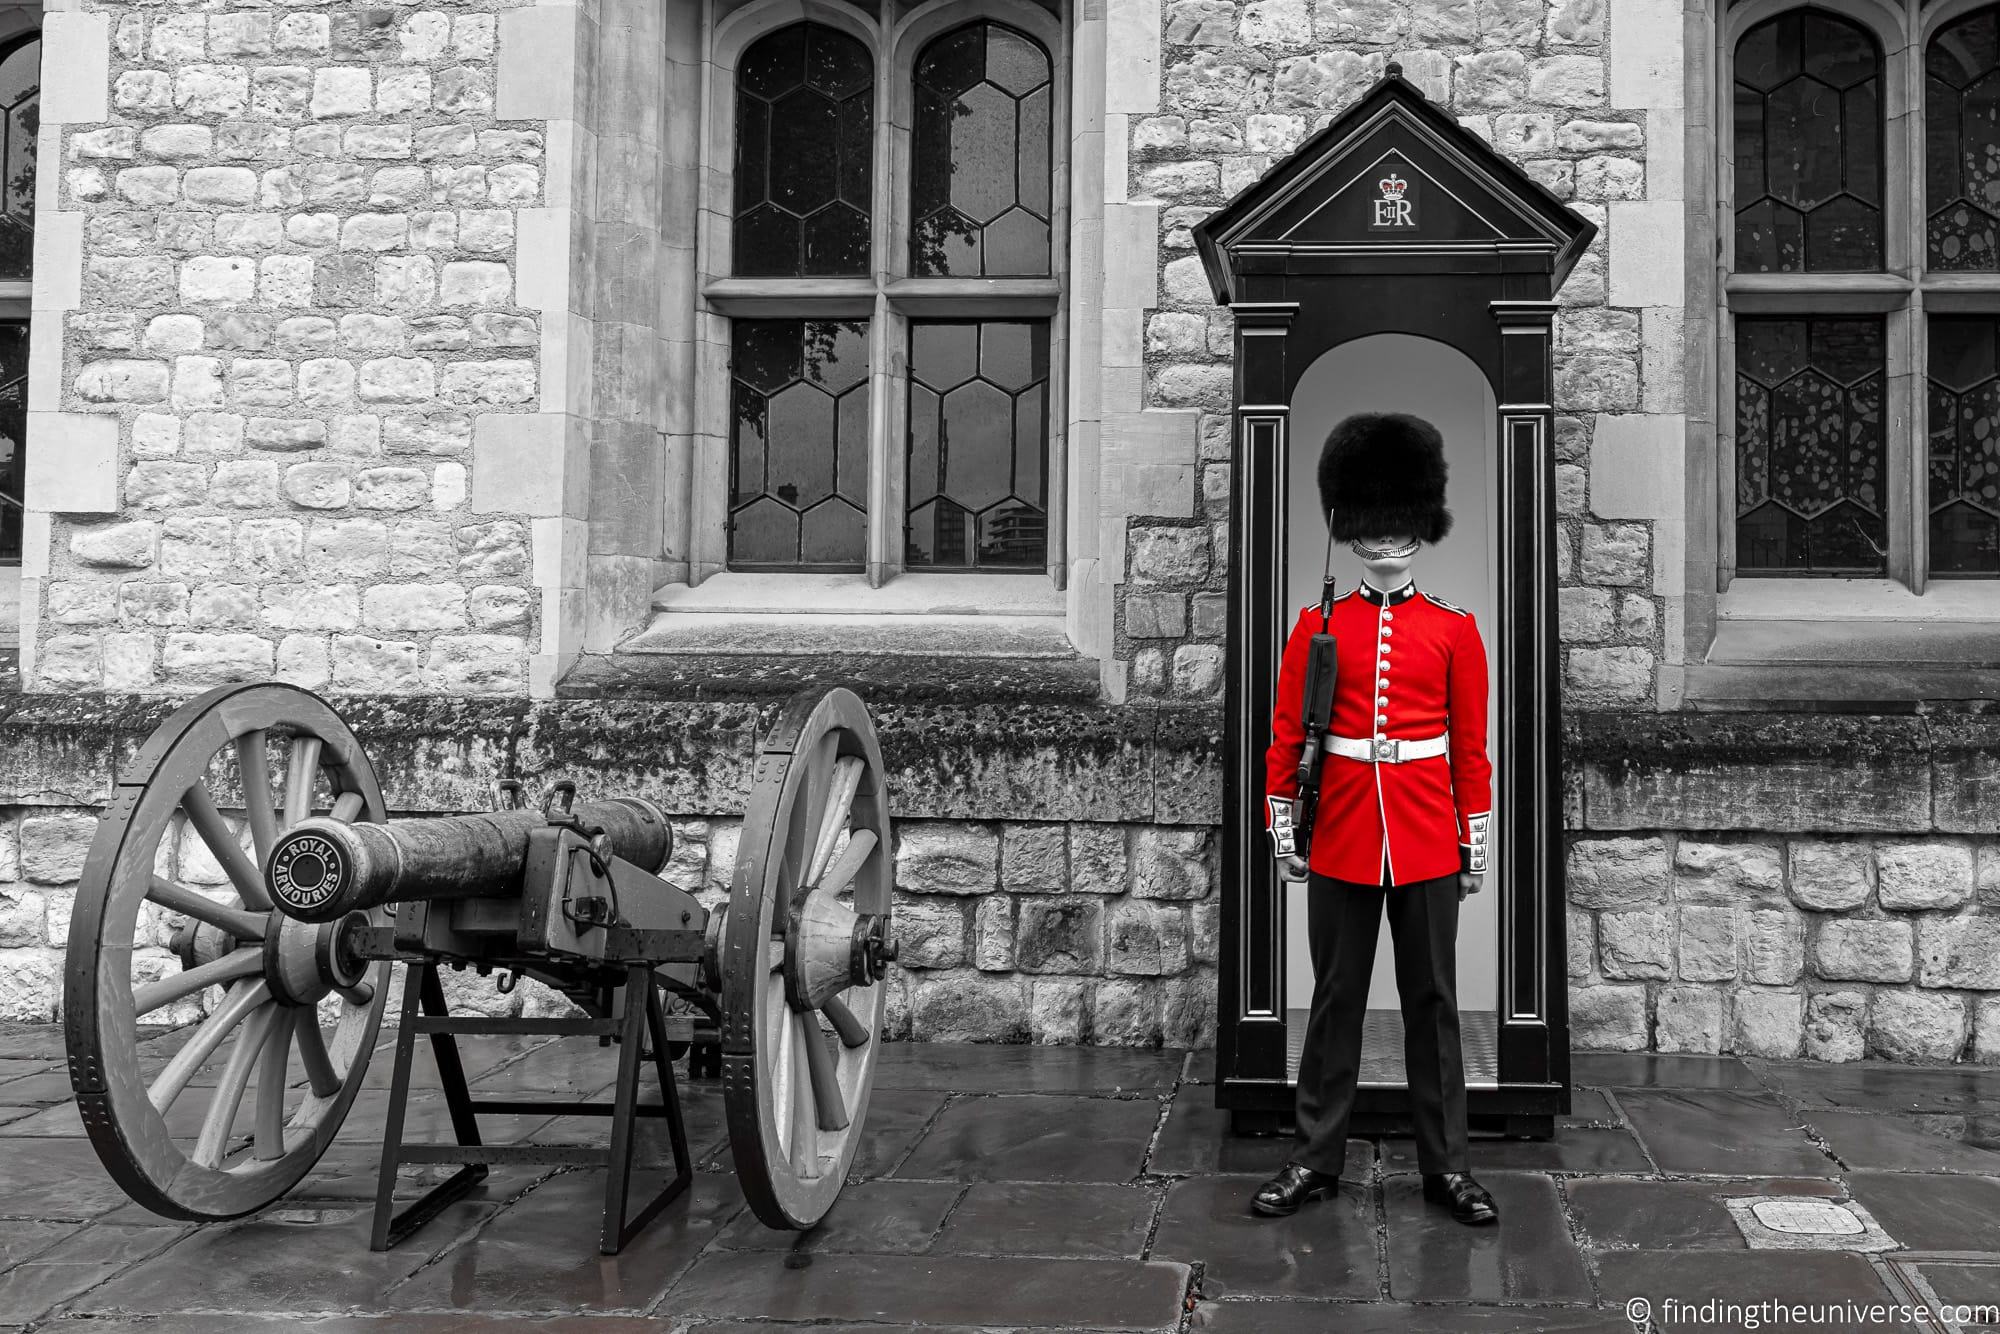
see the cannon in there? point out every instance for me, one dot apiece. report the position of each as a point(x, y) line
point(276, 976)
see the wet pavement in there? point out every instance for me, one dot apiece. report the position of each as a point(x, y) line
point(1039, 1188)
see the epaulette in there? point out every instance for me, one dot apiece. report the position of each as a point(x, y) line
point(1456, 611)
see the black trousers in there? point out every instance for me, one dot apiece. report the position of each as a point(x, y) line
point(1342, 918)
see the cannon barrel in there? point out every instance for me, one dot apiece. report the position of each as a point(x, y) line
point(323, 868)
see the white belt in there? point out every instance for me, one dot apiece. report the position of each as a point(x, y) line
point(1394, 751)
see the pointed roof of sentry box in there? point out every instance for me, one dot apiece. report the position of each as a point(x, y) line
point(1316, 207)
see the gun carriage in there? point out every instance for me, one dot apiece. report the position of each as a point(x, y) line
point(281, 976)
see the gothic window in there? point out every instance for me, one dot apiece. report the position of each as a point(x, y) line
point(20, 106)
point(889, 264)
point(1862, 292)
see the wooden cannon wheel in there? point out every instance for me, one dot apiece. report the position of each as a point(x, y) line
point(167, 1132)
point(806, 940)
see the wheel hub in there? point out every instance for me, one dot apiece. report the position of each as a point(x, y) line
point(306, 962)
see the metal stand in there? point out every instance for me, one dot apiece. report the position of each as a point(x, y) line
point(643, 1019)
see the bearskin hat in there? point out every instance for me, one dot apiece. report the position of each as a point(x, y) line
point(1383, 473)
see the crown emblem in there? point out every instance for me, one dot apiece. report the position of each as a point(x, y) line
point(1392, 186)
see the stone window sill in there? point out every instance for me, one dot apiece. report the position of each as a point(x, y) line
point(1850, 643)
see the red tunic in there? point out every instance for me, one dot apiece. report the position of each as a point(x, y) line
point(1411, 667)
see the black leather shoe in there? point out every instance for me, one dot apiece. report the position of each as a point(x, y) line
point(1292, 1187)
point(1469, 1200)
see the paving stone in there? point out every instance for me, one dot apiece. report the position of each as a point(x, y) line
point(1326, 1249)
point(32, 1042)
point(704, 1119)
point(971, 1067)
point(1577, 1149)
point(1589, 1107)
point(55, 1179)
point(1200, 1067)
point(21, 1239)
point(1932, 1212)
point(8, 1114)
point(1653, 1070)
point(540, 1254)
point(1013, 1138)
point(1967, 1284)
point(11, 1068)
point(28, 1291)
point(1882, 1086)
point(426, 1119)
point(574, 1067)
point(1528, 1256)
point(477, 1056)
point(1253, 1317)
point(1615, 1214)
point(1050, 1218)
point(896, 1120)
point(400, 1323)
point(286, 1259)
point(876, 1217)
point(1693, 1277)
point(1196, 1141)
point(1723, 1132)
point(1910, 1144)
point(50, 1086)
point(1002, 1291)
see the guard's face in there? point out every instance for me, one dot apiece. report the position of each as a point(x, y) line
point(1386, 557)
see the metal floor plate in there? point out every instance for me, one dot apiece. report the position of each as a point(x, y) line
point(1382, 1048)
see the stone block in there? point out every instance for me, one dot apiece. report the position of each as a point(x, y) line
point(1145, 939)
point(1580, 936)
point(1930, 874)
point(1058, 1008)
point(1961, 951)
point(1170, 863)
point(964, 1006)
point(1865, 950)
point(993, 934)
point(361, 663)
point(1126, 1013)
point(1168, 555)
point(1707, 872)
point(29, 978)
point(1236, 80)
point(216, 659)
point(1054, 935)
point(939, 857)
point(1633, 945)
point(52, 846)
point(264, 547)
point(1774, 942)
point(1707, 943)
point(117, 546)
point(1097, 858)
point(1156, 615)
point(1490, 79)
point(411, 607)
point(1033, 858)
point(1609, 1017)
point(1770, 1024)
point(1583, 614)
point(312, 606)
point(1829, 876)
point(1834, 1023)
point(1689, 1019)
point(931, 931)
point(1917, 1026)
point(1618, 873)
point(1647, 245)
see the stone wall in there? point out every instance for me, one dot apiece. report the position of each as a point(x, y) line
point(1588, 101)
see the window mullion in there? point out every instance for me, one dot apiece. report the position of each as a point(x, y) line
point(888, 410)
point(1909, 448)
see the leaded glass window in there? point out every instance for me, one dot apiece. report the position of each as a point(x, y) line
point(978, 440)
point(13, 434)
point(981, 182)
point(20, 120)
point(1808, 146)
point(799, 463)
point(1962, 143)
point(805, 142)
point(1964, 456)
point(1809, 471)
point(894, 356)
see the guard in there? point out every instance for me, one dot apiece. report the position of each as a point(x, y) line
point(1381, 795)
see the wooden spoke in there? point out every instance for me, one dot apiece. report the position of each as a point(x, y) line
point(805, 1120)
point(227, 1097)
point(238, 963)
point(272, 1066)
point(300, 773)
point(848, 864)
point(230, 921)
point(783, 1100)
point(852, 1033)
point(847, 771)
point(241, 1000)
point(222, 845)
point(320, 1074)
point(253, 763)
point(830, 1108)
point(347, 807)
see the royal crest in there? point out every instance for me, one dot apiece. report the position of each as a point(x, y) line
point(1396, 210)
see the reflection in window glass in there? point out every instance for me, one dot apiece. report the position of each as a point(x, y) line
point(804, 155)
point(799, 444)
point(981, 145)
point(1962, 149)
point(978, 444)
point(1964, 502)
point(1808, 149)
point(13, 435)
point(1809, 446)
point(21, 107)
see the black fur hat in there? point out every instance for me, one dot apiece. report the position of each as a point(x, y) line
point(1383, 473)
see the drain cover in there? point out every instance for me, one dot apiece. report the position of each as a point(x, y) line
point(1821, 1218)
point(1806, 1223)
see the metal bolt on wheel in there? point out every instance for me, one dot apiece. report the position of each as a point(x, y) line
point(806, 939)
point(143, 947)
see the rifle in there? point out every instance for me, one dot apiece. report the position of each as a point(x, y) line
point(1292, 821)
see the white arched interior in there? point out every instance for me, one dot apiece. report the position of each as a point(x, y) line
point(1403, 373)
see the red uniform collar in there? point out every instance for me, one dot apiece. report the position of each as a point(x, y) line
point(1397, 598)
